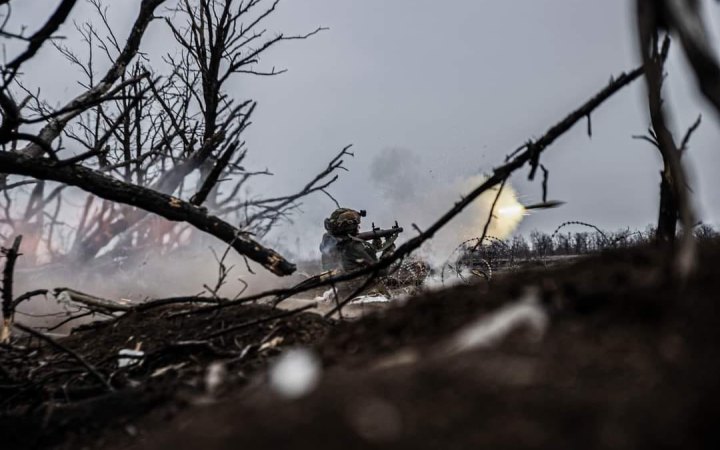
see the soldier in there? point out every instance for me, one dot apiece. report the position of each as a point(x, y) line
point(341, 250)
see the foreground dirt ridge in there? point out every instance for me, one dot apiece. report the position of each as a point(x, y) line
point(602, 353)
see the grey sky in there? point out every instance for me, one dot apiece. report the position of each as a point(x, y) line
point(458, 84)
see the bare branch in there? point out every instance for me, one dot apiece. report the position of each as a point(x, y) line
point(689, 133)
point(43, 34)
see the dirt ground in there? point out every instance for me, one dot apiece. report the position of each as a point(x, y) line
point(622, 358)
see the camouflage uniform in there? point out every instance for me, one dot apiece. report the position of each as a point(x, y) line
point(343, 252)
point(355, 254)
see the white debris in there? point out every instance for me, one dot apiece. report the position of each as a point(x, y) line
point(163, 370)
point(490, 330)
point(272, 343)
point(128, 357)
point(63, 297)
point(295, 373)
point(214, 377)
point(371, 299)
point(327, 296)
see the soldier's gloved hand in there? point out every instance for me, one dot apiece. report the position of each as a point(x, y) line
point(388, 251)
point(377, 244)
point(389, 241)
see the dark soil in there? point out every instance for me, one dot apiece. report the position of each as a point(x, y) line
point(629, 360)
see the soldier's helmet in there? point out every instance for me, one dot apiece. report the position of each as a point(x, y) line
point(343, 221)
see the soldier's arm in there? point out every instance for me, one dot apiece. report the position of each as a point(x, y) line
point(355, 256)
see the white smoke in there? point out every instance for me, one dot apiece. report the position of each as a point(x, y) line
point(414, 194)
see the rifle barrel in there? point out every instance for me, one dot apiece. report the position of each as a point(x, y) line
point(367, 235)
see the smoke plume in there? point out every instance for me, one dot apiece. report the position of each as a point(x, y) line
point(413, 193)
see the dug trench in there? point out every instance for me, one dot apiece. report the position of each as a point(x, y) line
point(621, 358)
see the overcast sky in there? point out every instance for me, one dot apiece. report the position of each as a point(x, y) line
point(443, 91)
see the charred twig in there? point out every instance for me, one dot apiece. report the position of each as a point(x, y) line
point(689, 133)
point(223, 272)
point(8, 309)
point(546, 175)
point(337, 301)
point(70, 319)
point(214, 175)
point(171, 208)
point(69, 351)
point(491, 215)
point(28, 295)
point(253, 323)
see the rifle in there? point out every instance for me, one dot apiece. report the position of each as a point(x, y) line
point(376, 233)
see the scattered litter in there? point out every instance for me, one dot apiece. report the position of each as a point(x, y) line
point(272, 343)
point(129, 357)
point(489, 330)
point(163, 370)
point(378, 298)
point(295, 373)
point(326, 296)
point(329, 296)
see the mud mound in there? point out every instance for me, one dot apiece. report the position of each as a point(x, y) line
point(607, 353)
point(628, 361)
point(60, 403)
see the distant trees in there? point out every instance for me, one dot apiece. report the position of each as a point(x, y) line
point(584, 242)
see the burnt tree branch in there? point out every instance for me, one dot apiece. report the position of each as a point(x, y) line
point(171, 208)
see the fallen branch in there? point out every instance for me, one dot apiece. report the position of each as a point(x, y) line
point(169, 207)
point(91, 301)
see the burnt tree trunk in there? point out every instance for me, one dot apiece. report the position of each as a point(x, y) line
point(668, 213)
point(8, 311)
